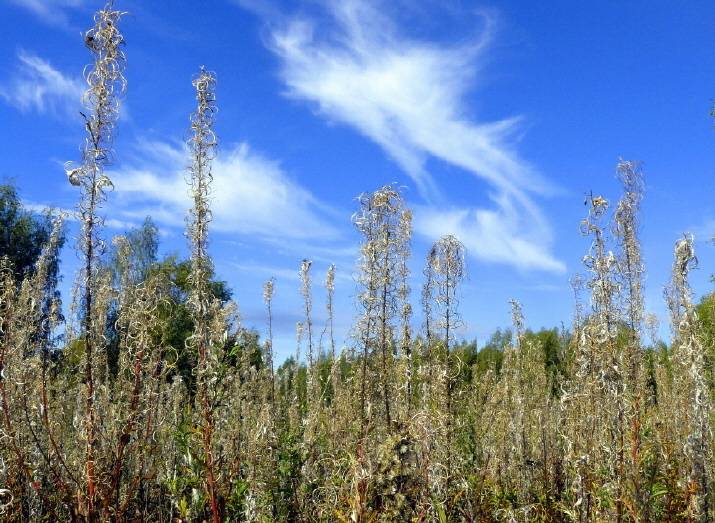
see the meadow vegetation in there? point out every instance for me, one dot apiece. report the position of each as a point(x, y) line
point(158, 405)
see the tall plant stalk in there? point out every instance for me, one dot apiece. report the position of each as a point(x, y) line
point(106, 89)
point(268, 293)
point(202, 147)
point(593, 410)
point(385, 245)
point(693, 421)
point(634, 403)
point(444, 272)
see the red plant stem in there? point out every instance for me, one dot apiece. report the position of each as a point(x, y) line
point(144, 445)
point(208, 429)
point(11, 432)
point(128, 429)
point(46, 423)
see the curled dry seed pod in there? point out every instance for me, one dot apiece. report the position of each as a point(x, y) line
point(269, 290)
point(448, 269)
point(73, 173)
point(107, 86)
point(104, 181)
point(106, 89)
point(205, 309)
point(382, 289)
point(330, 296)
point(678, 294)
point(691, 416)
point(306, 292)
point(202, 146)
point(6, 499)
point(598, 207)
point(593, 406)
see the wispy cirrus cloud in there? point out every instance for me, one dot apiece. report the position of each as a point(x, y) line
point(251, 195)
point(496, 235)
point(37, 85)
point(52, 12)
point(407, 95)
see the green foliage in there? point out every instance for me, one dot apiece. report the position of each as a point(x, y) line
point(706, 316)
point(175, 309)
point(141, 262)
point(491, 355)
point(22, 233)
point(143, 244)
point(25, 237)
point(552, 345)
point(468, 356)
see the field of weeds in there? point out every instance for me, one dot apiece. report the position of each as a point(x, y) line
point(119, 424)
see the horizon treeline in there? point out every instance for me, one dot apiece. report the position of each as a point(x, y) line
point(158, 405)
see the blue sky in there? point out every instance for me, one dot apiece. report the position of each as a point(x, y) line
point(496, 117)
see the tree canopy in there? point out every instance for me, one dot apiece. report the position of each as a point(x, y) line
point(22, 232)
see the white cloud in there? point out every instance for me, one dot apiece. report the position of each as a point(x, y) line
point(407, 96)
point(251, 194)
point(38, 85)
point(51, 12)
point(499, 235)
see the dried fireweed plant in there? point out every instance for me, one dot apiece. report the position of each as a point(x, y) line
point(107, 87)
point(77, 461)
point(403, 424)
point(691, 417)
point(385, 243)
point(593, 407)
point(445, 270)
point(205, 309)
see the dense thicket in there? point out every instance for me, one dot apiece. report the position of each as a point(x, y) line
point(161, 407)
